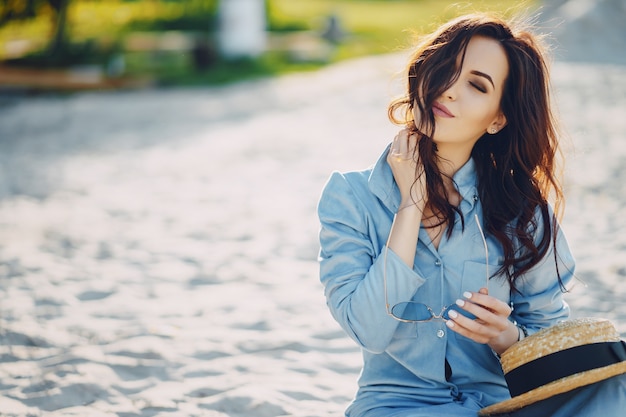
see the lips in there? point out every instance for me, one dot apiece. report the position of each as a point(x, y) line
point(441, 110)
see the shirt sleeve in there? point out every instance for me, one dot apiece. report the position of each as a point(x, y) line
point(353, 265)
point(539, 302)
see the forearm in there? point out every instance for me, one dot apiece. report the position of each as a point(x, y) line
point(357, 299)
point(405, 232)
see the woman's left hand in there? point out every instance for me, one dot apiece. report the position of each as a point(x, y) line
point(491, 325)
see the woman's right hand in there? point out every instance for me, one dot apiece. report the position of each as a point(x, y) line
point(404, 161)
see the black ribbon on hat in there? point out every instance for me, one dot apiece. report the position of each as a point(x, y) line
point(557, 365)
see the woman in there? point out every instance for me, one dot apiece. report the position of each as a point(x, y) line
point(447, 252)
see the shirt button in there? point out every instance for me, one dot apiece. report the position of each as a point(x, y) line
point(440, 333)
point(438, 262)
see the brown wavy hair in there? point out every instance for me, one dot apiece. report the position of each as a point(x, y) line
point(517, 167)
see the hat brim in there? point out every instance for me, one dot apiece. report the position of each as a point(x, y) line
point(554, 388)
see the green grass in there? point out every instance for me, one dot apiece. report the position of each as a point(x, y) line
point(381, 26)
point(372, 26)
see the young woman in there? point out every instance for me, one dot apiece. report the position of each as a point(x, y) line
point(446, 252)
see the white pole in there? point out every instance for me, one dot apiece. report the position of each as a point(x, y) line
point(241, 32)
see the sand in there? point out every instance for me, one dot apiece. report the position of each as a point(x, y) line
point(158, 248)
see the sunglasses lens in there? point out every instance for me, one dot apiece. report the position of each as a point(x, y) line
point(411, 311)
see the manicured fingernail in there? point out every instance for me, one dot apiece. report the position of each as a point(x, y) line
point(450, 323)
point(467, 294)
point(453, 314)
point(460, 303)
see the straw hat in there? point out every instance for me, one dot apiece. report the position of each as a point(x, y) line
point(558, 359)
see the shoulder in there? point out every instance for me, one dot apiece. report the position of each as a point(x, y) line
point(344, 181)
point(345, 190)
point(356, 196)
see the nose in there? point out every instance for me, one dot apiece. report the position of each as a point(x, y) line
point(450, 93)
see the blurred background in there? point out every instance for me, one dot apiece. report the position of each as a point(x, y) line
point(160, 166)
point(74, 44)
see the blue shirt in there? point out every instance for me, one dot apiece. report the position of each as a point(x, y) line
point(404, 363)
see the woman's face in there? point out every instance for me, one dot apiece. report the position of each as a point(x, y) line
point(471, 106)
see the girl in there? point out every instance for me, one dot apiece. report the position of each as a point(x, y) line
point(446, 251)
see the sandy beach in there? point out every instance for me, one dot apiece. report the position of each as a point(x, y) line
point(158, 248)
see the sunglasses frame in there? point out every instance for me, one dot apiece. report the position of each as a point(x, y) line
point(432, 313)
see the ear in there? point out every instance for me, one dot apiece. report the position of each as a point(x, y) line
point(498, 124)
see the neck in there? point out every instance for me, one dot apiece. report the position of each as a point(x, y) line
point(452, 158)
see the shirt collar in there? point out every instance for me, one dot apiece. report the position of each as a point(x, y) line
point(467, 182)
point(383, 185)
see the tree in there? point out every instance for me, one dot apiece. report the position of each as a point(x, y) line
point(59, 36)
point(28, 9)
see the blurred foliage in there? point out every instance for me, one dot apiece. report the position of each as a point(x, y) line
point(56, 11)
point(19, 9)
point(98, 30)
point(185, 15)
point(95, 28)
point(382, 26)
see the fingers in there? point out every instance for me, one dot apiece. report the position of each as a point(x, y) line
point(404, 162)
point(403, 146)
point(402, 142)
point(480, 303)
point(491, 317)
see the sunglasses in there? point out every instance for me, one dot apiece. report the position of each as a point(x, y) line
point(415, 312)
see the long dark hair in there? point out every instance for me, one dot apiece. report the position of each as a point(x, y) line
point(517, 167)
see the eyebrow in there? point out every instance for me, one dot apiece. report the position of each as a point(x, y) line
point(482, 74)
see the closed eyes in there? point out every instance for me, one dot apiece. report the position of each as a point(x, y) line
point(478, 87)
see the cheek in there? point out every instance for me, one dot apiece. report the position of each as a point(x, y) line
point(484, 113)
